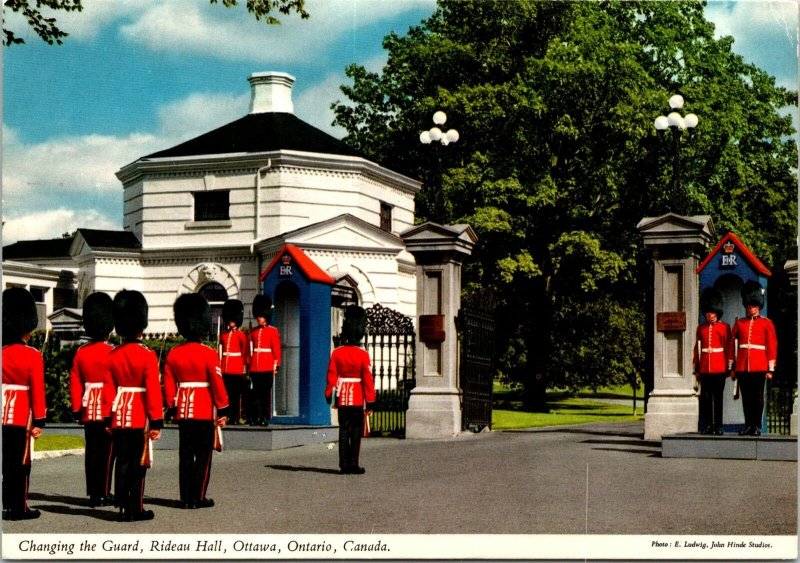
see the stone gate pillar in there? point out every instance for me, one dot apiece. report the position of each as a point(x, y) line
point(678, 243)
point(434, 406)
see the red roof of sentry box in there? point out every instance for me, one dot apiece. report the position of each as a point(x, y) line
point(306, 264)
point(749, 256)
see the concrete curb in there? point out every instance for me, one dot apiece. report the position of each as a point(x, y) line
point(46, 454)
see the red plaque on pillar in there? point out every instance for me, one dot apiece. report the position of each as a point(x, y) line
point(431, 328)
point(671, 321)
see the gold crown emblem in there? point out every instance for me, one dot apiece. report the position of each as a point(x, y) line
point(286, 259)
point(728, 247)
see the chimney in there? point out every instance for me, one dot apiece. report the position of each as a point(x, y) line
point(271, 92)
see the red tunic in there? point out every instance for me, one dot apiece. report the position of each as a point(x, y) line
point(349, 372)
point(265, 349)
point(757, 345)
point(90, 385)
point(193, 383)
point(134, 373)
point(23, 386)
point(711, 347)
point(234, 352)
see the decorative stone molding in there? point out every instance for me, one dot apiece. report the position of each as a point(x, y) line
point(208, 272)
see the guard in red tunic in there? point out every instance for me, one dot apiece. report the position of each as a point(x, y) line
point(197, 397)
point(711, 359)
point(752, 362)
point(265, 359)
point(137, 410)
point(350, 379)
point(24, 405)
point(92, 394)
point(234, 356)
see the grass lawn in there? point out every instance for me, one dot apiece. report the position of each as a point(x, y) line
point(585, 406)
point(48, 442)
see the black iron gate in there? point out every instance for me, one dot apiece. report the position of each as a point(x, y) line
point(475, 325)
point(391, 343)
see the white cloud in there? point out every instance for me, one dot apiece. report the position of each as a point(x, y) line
point(53, 223)
point(199, 113)
point(765, 34)
point(312, 105)
point(192, 27)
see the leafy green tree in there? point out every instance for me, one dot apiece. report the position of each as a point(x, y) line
point(46, 28)
point(558, 159)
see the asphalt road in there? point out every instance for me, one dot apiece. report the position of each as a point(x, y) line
point(591, 479)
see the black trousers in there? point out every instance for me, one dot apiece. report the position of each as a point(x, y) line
point(99, 459)
point(16, 474)
point(261, 406)
point(351, 426)
point(195, 446)
point(129, 474)
point(712, 386)
point(237, 387)
point(751, 387)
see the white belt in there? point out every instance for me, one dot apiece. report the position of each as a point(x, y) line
point(185, 384)
point(708, 350)
point(349, 380)
point(88, 389)
point(262, 350)
point(122, 390)
point(14, 387)
point(231, 353)
point(753, 346)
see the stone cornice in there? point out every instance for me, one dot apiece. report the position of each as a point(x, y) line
point(249, 163)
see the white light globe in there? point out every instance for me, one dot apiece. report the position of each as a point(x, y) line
point(661, 123)
point(439, 118)
point(425, 138)
point(435, 133)
point(674, 119)
point(691, 120)
point(452, 135)
point(676, 101)
point(445, 141)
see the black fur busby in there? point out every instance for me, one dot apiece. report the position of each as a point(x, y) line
point(354, 326)
point(262, 307)
point(19, 313)
point(192, 316)
point(98, 319)
point(233, 310)
point(712, 301)
point(752, 294)
point(130, 313)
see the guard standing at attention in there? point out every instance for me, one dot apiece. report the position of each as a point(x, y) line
point(24, 404)
point(136, 416)
point(197, 397)
point(265, 359)
point(92, 394)
point(234, 356)
point(753, 361)
point(351, 388)
point(710, 359)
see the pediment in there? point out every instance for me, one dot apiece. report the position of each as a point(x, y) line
point(673, 223)
point(345, 232)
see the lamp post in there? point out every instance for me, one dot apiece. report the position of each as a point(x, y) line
point(678, 124)
point(435, 135)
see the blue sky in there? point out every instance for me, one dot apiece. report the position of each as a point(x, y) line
point(137, 76)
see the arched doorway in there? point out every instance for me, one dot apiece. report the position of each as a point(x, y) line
point(216, 295)
point(286, 400)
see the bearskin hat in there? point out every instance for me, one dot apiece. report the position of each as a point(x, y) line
point(233, 310)
point(262, 307)
point(98, 319)
point(712, 301)
point(130, 313)
point(354, 325)
point(752, 294)
point(192, 316)
point(19, 313)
